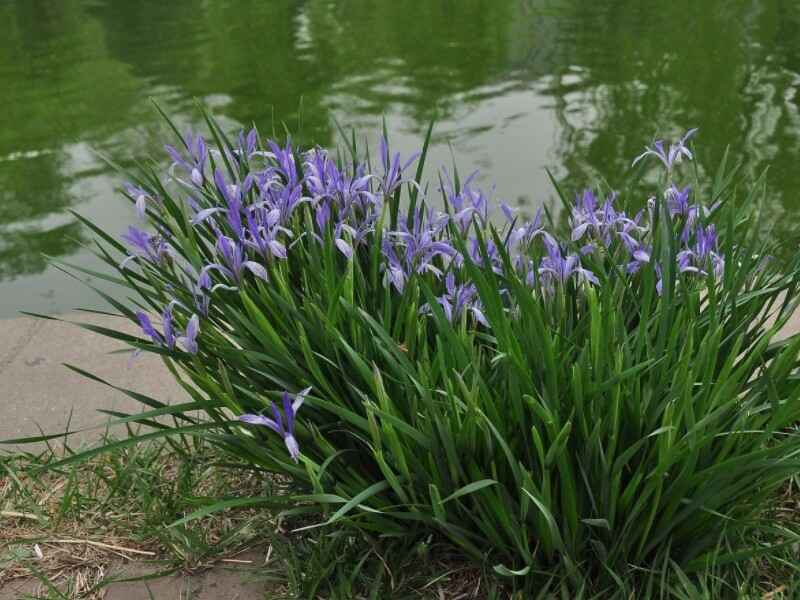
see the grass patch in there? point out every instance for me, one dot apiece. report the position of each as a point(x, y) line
point(69, 525)
point(117, 509)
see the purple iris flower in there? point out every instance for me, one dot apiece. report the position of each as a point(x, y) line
point(491, 257)
point(695, 258)
point(195, 164)
point(348, 237)
point(467, 203)
point(414, 249)
point(598, 222)
point(678, 200)
point(394, 271)
point(526, 233)
point(322, 214)
point(283, 425)
point(458, 300)
point(233, 194)
point(285, 164)
point(332, 190)
point(233, 265)
point(669, 157)
point(262, 233)
point(169, 338)
point(248, 144)
point(343, 245)
point(320, 172)
point(392, 169)
point(152, 248)
point(283, 198)
point(640, 256)
point(584, 215)
point(352, 191)
point(556, 267)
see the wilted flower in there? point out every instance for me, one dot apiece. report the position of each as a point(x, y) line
point(141, 197)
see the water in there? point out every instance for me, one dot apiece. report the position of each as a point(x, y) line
point(577, 86)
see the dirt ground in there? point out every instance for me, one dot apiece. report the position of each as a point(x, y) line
point(241, 580)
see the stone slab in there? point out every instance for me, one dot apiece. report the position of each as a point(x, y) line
point(38, 392)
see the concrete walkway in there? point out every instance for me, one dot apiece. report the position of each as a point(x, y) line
point(38, 391)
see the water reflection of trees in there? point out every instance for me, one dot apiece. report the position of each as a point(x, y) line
point(60, 87)
point(617, 72)
point(628, 70)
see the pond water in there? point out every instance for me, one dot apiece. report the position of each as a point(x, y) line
point(516, 86)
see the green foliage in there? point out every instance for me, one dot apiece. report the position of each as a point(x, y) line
point(585, 432)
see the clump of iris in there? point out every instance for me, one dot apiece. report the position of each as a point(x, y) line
point(253, 223)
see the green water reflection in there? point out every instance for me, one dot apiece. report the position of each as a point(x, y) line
point(516, 85)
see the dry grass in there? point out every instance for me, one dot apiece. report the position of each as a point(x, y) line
point(72, 526)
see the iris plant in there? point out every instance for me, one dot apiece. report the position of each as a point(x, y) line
point(251, 230)
point(577, 393)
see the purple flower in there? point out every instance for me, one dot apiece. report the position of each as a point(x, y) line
point(392, 169)
point(248, 144)
point(348, 237)
point(283, 425)
point(263, 230)
point(346, 190)
point(457, 300)
point(415, 249)
point(526, 233)
point(344, 246)
point(598, 222)
point(233, 264)
point(152, 248)
point(320, 172)
point(394, 271)
point(285, 164)
point(194, 165)
point(695, 259)
point(678, 200)
point(285, 199)
point(169, 338)
point(491, 257)
point(189, 339)
point(668, 157)
point(467, 203)
point(556, 267)
point(640, 257)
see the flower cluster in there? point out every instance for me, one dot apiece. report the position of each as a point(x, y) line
point(253, 203)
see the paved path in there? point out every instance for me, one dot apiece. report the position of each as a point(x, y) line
point(38, 391)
